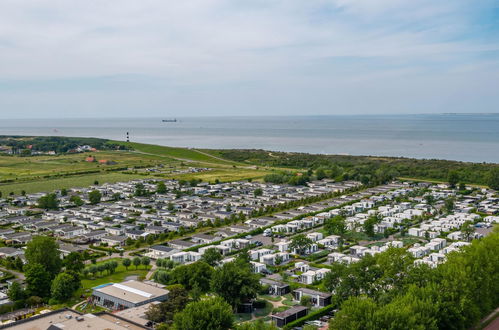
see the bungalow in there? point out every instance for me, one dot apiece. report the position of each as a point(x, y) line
point(136, 234)
point(114, 240)
point(357, 250)
point(223, 249)
point(257, 267)
point(115, 231)
point(69, 231)
point(161, 251)
point(236, 243)
point(6, 252)
point(290, 315)
point(318, 298)
point(171, 226)
point(181, 244)
point(275, 288)
point(203, 238)
point(311, 276)
point(22, 237)
point(185, 257)
point(95, 235)
point(66, 249)
point(155, 229)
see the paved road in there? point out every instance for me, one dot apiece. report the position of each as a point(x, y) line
point(19, 276)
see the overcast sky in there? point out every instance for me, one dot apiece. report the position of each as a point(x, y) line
point(61, 58)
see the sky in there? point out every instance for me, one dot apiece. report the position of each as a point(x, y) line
point(129, 58)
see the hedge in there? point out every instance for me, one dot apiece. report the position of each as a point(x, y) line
point(309, 317)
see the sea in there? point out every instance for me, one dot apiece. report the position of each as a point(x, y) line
point(463, 137)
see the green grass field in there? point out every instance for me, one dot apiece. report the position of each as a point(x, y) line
point(79, 181)
point(49, 173)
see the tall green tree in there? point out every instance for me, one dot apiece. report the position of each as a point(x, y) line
point(235, 283)
point(44, 250)
point(336, 225)
point(38, 280)
point(63, 286)
point(453, 178)
point(15, 292)
point(76, 200)
point(195, 276)
point(208, 313)
point(74, 262)
point(94, 197)
point(161, 188)
point(368, 225)
point(178, 297)
point(300, 243)
point(48, 202)
point(212, 256)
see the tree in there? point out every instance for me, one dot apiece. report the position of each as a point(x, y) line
point(126, 263)
point(63, 287)
point(430, 200)
point(64, 192)
point(355, 313)
point(209, 313)
point(43, 250)
point(15, 292)
point(178, 297)
point(335, 225)
point(34, 301)
point(112, 265)
point(76, 200)
point(140, 190)
point(94, 197)
point(93, 270)
point(136, 262)
point(48, 202)
point(259, 324)
point(38, 280)
point(235, 283)
point(212, 256)
point(493, 180)
point(449, 205)
point(74, 262)
point(145, 261)
point(258, 192)
point(320, 174)
point(161, 188)
point(306, 301)
point(467, 229)
point(453, 178)
point(195, 276)
point(300, 243)
point(116, 196)
point(368, 225)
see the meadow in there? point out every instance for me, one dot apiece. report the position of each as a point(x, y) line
point(48, 173)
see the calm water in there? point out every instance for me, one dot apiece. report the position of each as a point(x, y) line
point(457, 137)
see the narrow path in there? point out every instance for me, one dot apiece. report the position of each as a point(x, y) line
point(19, 275)
point(151, 271)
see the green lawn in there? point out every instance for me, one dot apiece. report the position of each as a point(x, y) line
point(79, 181)
point(259, 312)
point(177, 153)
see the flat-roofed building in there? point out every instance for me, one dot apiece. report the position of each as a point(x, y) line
point(64, 319)
point(128, 294)
point(290, 315)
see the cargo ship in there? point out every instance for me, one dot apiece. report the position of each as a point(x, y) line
point(170, 120)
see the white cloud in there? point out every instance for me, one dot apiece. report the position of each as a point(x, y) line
point(207, 44)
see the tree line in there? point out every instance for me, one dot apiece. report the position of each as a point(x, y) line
point(372, 169)
point(388, 291)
